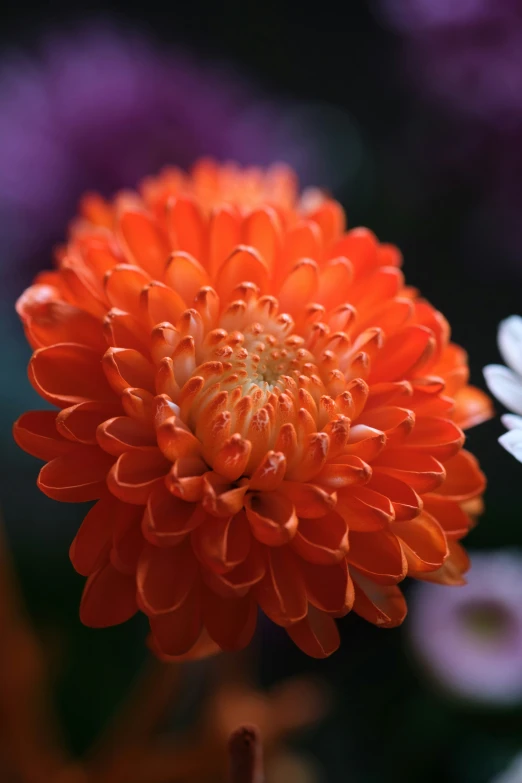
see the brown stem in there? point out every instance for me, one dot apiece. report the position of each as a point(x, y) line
point(245, 756)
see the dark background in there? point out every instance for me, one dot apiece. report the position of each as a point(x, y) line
point(388, 721)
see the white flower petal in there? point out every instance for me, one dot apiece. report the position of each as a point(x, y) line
point(505, 385)
point(510, 342)
point(513, 774)
point(512, 442)
point(511, 422)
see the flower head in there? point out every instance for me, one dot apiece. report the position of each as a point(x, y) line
point(100, 106)
point(267, 416)
point(506, 383)
point(471, 639)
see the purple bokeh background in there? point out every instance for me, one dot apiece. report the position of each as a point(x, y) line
point(463, 60)
point(99, 108)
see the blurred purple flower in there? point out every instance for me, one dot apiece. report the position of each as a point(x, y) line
point(465, 58)
point(101, 107)
point(468, 54)
point(470, 638)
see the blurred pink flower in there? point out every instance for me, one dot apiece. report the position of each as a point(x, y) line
point(470, 639)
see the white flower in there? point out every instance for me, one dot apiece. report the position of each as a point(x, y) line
point(505, 383)
point(513, 774)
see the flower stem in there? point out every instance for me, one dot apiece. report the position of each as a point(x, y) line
point(245, 756)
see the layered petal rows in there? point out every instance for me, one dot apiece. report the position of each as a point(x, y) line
point(265, 414)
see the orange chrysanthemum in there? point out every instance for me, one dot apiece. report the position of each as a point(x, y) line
point(266, 415)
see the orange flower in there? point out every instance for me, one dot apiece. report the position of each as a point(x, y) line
point(267, 416)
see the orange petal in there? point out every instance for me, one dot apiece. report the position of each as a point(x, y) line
point(221, 543)
point(69, 373)
point(240, 579)
point(417, 468)
point(243, 265)
point(175, 633)
point(365, 442)
point(269, 473)
point(231, 622)
point(262, 230)
point(364, 509)
point(423, 542)
point(80, 288)
point(232, 458)
point(176, 441)
point(123, 287)
point(224, 235)
point(330, 219)
point(220, 498)
point(370, 295)
point(60, 322)
point(99, 253)
point(159, 303)
point(126, 368)
point(403, 354)
point(384, 394)
point(123, 330)
point(390, 316)
point(272, 517)
point(329, 587)
point(165, 577)
point(167, 519)
point(203, 648)
point(316, 634)
point(464, 478)
point(109, 598)
point(334, 280)
point(389, 255)
point(322, 541)
point(135, 473)
point(186, 276)
point(138, 404)
point(90, 548)
point(309, 500)
point(348, 471)
point(303, 240)
point(76, 476)
point(382, 605)
point(143, 242)
point(127, 539)
point(96, 210)
point(185, 479)
point(451, 572)
point(299, 288)
point(281, 593)
point(449, 514)
point(473, 407)
point(122, 433)
point(36, 433)
point(80, 422)
point(405, 501)
point(378, 556)
point(186, 225)
point(396, 423)
point(439, 437)
point(360, 246)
